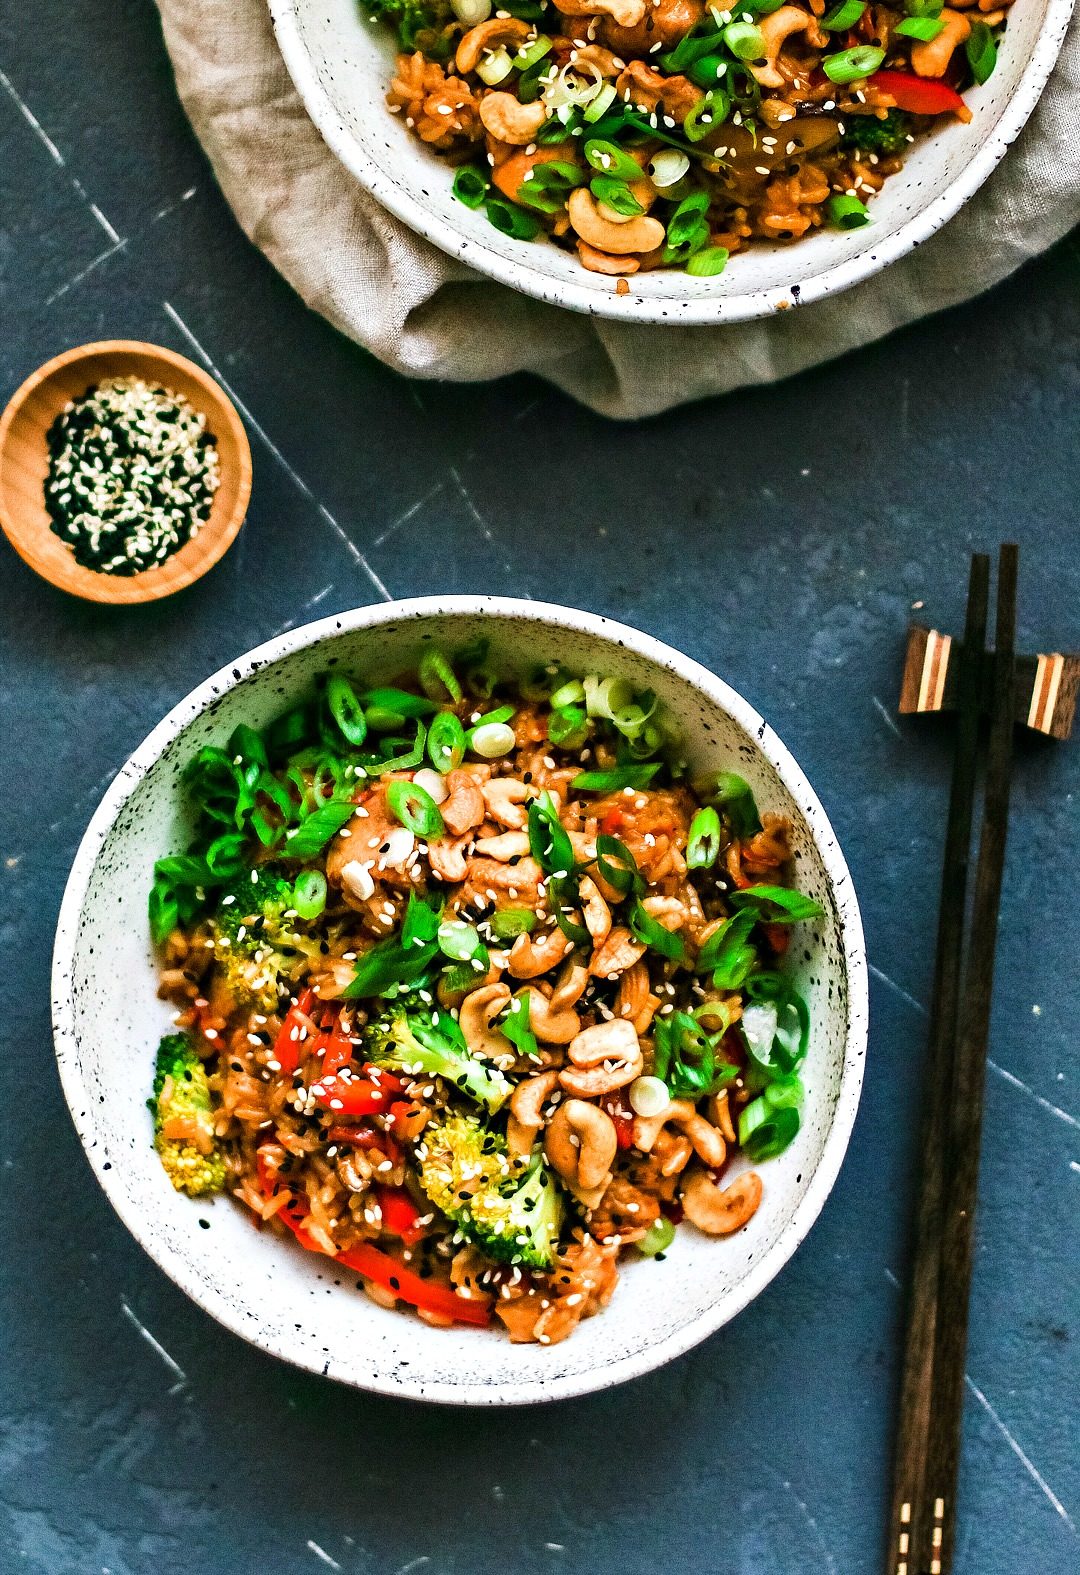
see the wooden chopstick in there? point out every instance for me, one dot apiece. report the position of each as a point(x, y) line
point(912, 1438)
point(966, 1106)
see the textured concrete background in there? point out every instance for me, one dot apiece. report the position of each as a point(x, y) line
point(781, 537)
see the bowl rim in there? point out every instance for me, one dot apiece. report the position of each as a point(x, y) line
point(139, 1221)
point(596, 301)
point(178, 572)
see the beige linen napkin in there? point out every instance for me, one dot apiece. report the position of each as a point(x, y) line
point(429, 316)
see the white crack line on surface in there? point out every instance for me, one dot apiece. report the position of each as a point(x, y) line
point(1074, 1166)
point(1029, 1465)
point(485, 529)
point(96, 262)
point(893, 1281)
point(413, 1564)
point(171, 207)
point(830, 1562)
point(413, 508)
point(156, 1345)
point(886, 716)
point(999, 1071)
point(54, 153)
point(312, 601)
point(260, 431)
point(321, 1553)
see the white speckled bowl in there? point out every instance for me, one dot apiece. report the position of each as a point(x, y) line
point(107, 1020)
point(342, 65)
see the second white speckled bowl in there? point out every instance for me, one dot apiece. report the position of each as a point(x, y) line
point(342, 67)
point(107, 1020)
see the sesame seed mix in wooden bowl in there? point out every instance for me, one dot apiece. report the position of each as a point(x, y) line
point(125, 472)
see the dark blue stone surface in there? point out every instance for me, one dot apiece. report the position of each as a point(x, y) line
point(781, 536)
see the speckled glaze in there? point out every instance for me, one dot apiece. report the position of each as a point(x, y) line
point(341, 66)
point(107, 1020)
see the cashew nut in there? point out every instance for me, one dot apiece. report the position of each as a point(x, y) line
point(531, 956)
point(463, 807)
point(509, 120)
point(720, 1114)
point(932, 59)
point(550, 1025)
point(580, 1143)
point(674, 1152)
point(603, 262)
point(719, 1212)
point(570, 985)
point(475, 1019)
point(624, 13)
point(505, 799)
point(527, 1110)
point(776, 30)
point(637, 235)
point(619, 952)
point(595, 911)
point(605, 1057)
point(707, 1142)
point(494, 34)
point(447, 858)
point(508, 845)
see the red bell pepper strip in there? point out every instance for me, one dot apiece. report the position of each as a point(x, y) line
point(295, 1030)
point(334, 1050)
point(356, 1136)
point(612, 822)
point(918, 95)
point(386, 1271)
point(622, 1117)
point(358, 1096)
point(400, 1214)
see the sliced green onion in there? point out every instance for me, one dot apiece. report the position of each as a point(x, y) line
point(619, 777)
point(764, 1132)
point(732, 795)
point(309, 894)
point(657, 1239)
point(745, 41)
point(495, 66)
point(227, 856)
point(461, 943)
point(924, 28)
point(623, 874)
point(508, 923)
point(784, 1092)
point(531, 52)
point(446, 742)
point(409, 760)
point(397, 703)
point(515, 1025)
point(570, 693)
point(492, 739)
point(846, 212)
point(600, 105)
point(778, 904)
point(727, 954)
point(651, 933)
point(315, 832)
point(667, 168)
point(703, 842)
point(687, 50)
point(470, 185)
point(924, 7)
point(851, 65)
point(686, 218)
point(568, 727)
point(843, 16)
point(648, 1096)
point(981, 52)
point(346, 709)
point(707, 71)
point(437, 678)
point(712, 260)
point(606, 158)
point(510, 219)
point(708, 115)
point(416, 809)
point(616, 195)
point(549, 841)
point(164, 911)
point(546, 185)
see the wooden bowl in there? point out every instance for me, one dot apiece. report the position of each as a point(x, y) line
point(24, 463)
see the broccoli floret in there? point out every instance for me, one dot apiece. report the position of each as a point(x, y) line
point(411, 1042)
point(869, 134)
point(184, 1121)
point(257, 944)
point(513, 1214)
point(522, 1226)
point(461, 1157)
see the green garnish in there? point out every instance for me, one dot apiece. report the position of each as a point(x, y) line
point(703, 842)
point(651, 933)
point(778, 904)
point(981, 52)
point(846, 212)
point(851, 65)
point(619, 777)
point(446, 742)
point(416, 809)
